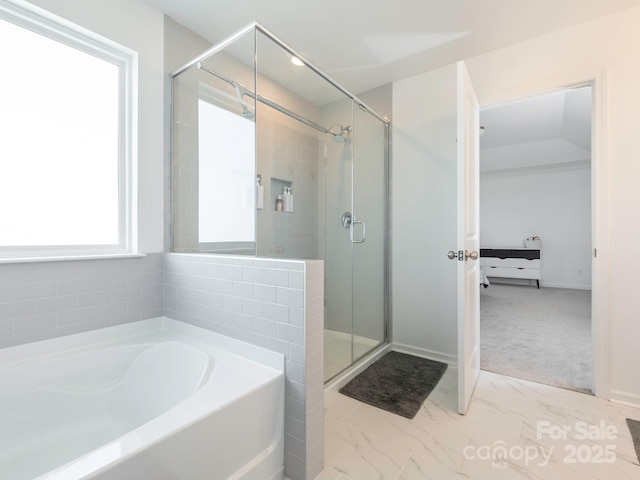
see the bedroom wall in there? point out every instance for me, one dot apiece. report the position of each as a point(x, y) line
point(553, 203)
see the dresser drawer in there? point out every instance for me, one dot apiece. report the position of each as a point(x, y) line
point(506, 272)
point(511, 262)
point(528, 253)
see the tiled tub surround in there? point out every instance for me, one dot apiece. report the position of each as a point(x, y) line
point(276, 304)
point(149, 396)
point(42, 300)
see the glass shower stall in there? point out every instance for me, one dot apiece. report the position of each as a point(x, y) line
point(271, 158)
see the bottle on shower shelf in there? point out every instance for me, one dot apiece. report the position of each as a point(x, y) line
point(259, 194)
point(279, 203)
point(287, 199)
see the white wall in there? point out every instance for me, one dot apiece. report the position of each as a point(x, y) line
point(424, 301)
point(141, 28)
point(553, 203)
point(607, 46)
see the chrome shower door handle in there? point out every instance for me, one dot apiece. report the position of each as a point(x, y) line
point(364, 231)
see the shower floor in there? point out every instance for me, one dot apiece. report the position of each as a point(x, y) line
point(337, 351)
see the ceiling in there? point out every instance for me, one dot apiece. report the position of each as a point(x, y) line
point(363, 44)
point(543, 130)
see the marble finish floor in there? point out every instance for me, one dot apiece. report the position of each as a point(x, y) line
point(514, 430)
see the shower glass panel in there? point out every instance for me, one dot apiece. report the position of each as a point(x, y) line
point(368, 238)
point(335, 181)
point(214, 174)
point(291, 139)
point(276, 160)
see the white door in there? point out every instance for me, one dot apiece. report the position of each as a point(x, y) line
point(435, 209)
point(468, 239)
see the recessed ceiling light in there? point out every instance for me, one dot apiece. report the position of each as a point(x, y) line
point(297, 62)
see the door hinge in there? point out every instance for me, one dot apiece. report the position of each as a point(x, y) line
point(595, 252)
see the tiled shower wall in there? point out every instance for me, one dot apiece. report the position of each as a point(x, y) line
point(42, 300)
point(286, 151)
point(276, 304)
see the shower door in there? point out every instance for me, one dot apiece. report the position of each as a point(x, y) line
point(355, 177)
point(368, 239)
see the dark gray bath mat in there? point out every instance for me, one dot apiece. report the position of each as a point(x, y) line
point(634, 428)
point(397, 383)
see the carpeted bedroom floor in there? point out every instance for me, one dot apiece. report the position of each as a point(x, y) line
point(539, 335)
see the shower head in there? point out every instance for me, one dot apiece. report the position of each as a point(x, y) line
point(240, 92)
point(342, 136)
point(246, 113)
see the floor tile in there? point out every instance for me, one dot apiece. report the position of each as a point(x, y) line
point(419, 468)
point(421, 436)
point(360, 455)
point(506, 434)
point(338, 406)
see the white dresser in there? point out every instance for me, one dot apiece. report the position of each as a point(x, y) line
point(521, 263)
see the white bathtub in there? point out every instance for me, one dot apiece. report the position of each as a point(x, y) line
point(157, 399)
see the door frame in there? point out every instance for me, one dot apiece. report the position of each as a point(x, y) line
point(600, 280)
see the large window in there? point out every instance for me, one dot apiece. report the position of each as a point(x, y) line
point(66, 129)
point(226, 179)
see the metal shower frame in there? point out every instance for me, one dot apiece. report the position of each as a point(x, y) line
point(256, 26)
point(240, 90)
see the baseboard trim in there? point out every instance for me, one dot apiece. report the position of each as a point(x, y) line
point(450, 360)
point(561, 285)
point(531, 283)
point(624, 398)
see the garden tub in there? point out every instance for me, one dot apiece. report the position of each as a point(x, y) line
point(156, 399)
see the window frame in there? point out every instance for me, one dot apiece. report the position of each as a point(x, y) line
point(58, 29)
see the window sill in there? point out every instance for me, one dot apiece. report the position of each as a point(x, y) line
point(70, 258)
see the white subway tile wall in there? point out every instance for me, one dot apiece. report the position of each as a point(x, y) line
point(282, 309)
point(42, 300)
point(314, 366)
point(287, 154)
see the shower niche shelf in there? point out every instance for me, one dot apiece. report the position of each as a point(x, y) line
point(278, 187)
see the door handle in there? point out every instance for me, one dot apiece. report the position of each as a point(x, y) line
point(470, 255)
point(453, 254)
point(364, 231)
point(460, 255)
